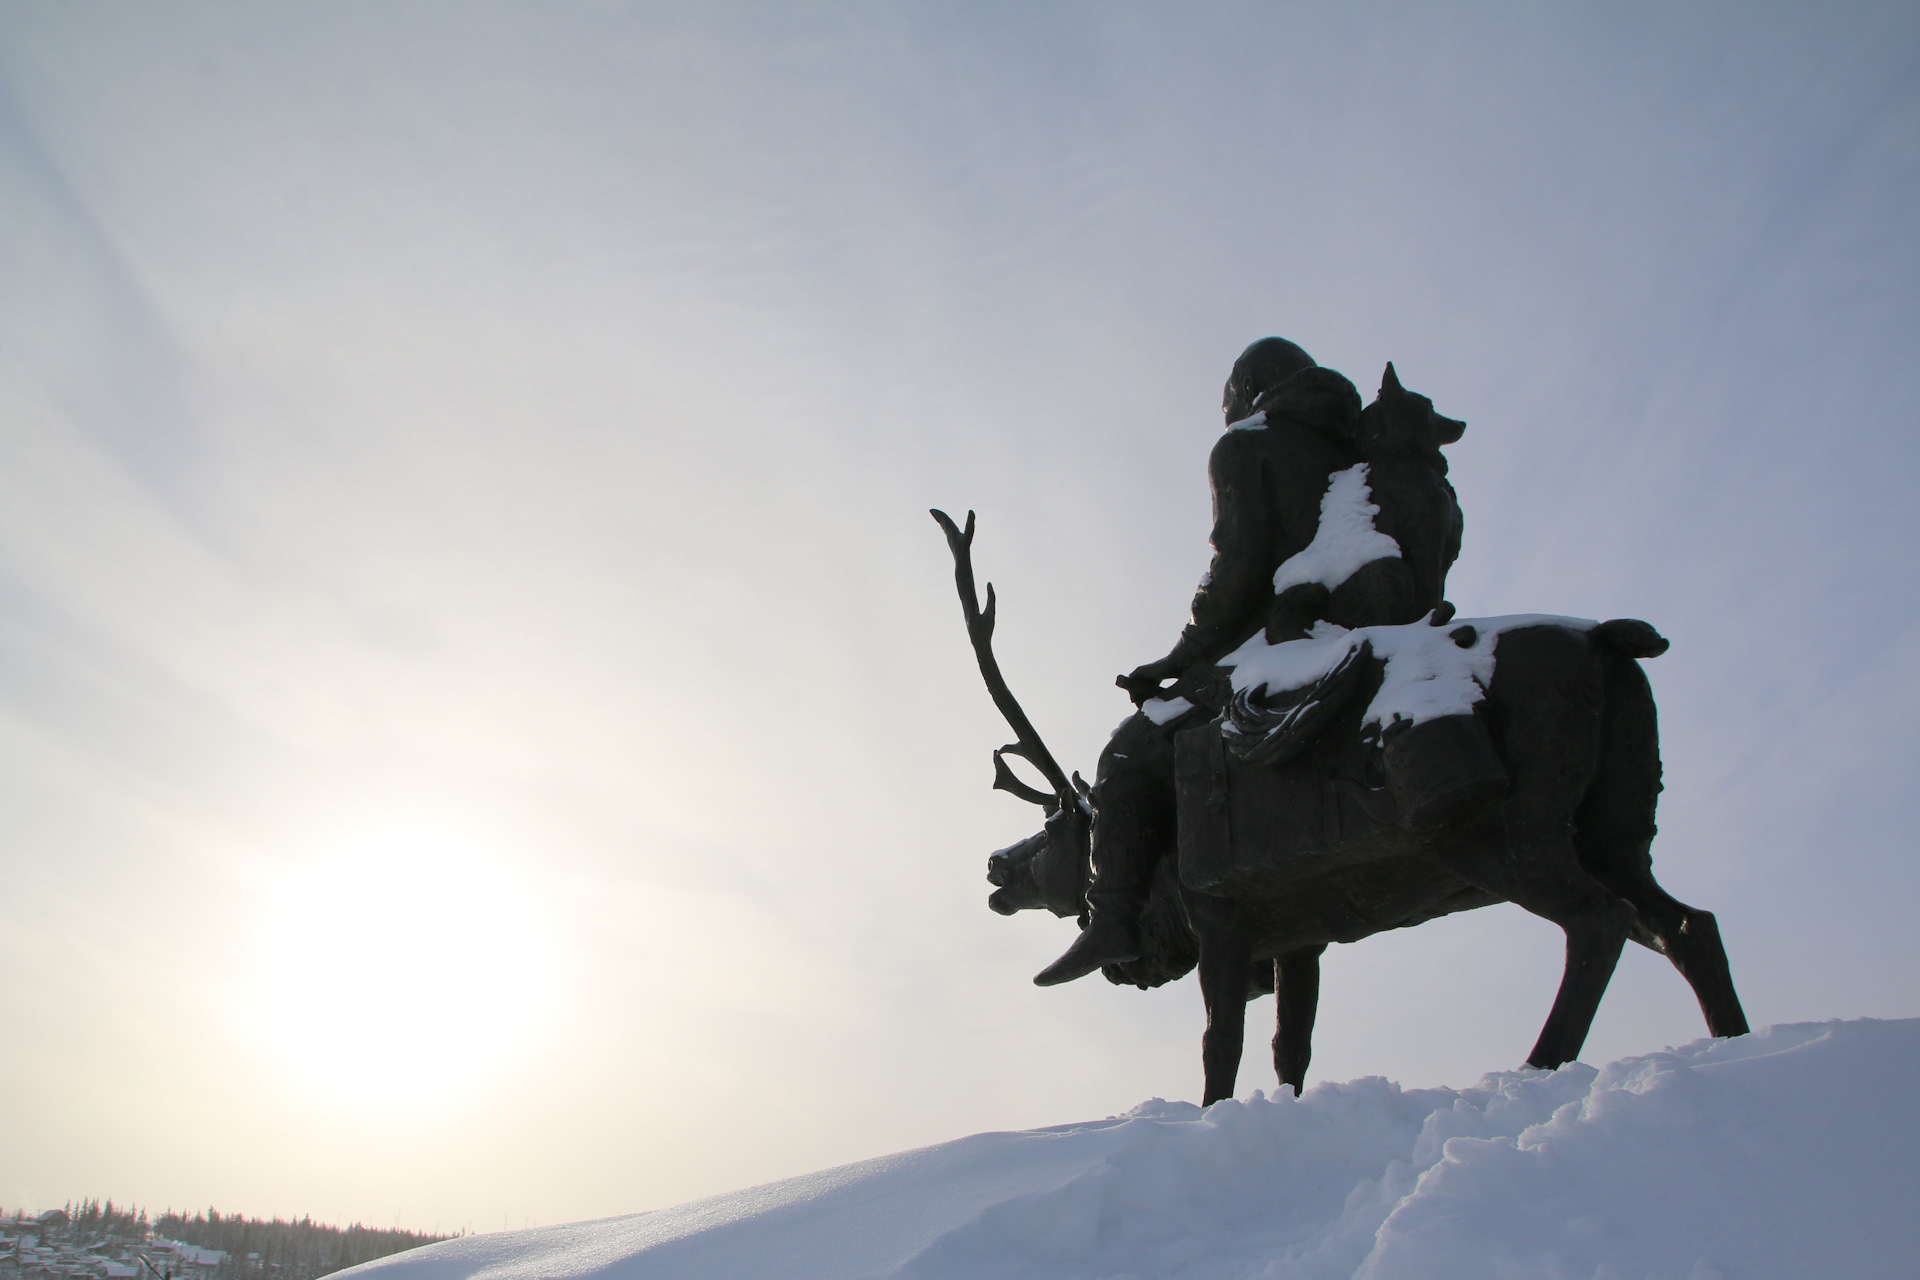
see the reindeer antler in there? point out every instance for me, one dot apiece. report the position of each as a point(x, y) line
point(1027, 744)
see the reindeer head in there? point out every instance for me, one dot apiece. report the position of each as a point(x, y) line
point(1050, 868)
point(1047, 869)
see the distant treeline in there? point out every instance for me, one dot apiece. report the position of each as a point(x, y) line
point(91, 1219)
point(256, 1248)
point(301, 1250)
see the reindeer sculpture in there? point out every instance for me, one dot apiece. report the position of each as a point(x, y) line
point(1282, 853)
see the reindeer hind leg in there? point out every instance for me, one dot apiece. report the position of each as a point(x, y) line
point(1545, 706)
point(1615, 831)
point(1690, 938)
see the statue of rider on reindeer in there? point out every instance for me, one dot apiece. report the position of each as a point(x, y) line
point(1292, 426)
point(1321, 755)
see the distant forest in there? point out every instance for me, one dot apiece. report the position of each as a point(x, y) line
point(256, 1248)
point(299, 1250)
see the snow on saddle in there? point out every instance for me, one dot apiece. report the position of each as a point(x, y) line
point(1422, 686)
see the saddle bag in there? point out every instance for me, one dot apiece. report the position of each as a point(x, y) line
point(1442, 770)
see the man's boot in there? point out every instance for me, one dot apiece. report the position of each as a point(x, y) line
point(1132, 826)
point(1112, 936)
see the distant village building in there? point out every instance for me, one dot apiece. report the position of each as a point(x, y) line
point(41, 1248)
point(98, 1242)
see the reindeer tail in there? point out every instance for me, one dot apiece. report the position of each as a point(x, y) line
point(1631, 637)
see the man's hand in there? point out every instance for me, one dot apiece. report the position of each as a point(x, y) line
point(1144, 682)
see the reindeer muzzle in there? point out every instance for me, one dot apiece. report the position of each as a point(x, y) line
point(1011, 872)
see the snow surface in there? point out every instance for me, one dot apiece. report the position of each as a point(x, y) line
point(1427, 674)
point(1345, 540)
point(1787, 1154)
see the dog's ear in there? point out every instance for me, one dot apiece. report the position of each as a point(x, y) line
point(1389, 381)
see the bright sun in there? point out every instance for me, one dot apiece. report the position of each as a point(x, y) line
point(402, 968)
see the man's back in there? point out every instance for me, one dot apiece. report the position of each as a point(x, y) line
point(1269, 474)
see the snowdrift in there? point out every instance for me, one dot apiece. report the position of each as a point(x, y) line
point(1789, 1153)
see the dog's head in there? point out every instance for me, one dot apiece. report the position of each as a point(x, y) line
point(1403, 422)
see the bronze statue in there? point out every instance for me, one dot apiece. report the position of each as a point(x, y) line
point(1327, 753)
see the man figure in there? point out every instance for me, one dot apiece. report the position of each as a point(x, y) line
point(1291, 426)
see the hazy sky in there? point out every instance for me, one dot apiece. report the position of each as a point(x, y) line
point(486, 734)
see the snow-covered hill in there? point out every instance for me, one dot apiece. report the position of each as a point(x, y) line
point(1791, 1153)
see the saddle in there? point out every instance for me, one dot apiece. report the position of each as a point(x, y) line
point(1287, 785)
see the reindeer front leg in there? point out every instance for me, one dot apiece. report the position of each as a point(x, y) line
point(1296, 998)
point(1226, 947)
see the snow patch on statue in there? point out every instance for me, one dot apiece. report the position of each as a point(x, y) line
point(1346, 539)
point(1161, 710)
point(1429, 673)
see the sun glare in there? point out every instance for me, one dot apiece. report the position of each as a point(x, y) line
point(402, 968)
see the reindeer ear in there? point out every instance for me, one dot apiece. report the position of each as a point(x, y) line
point(1389, 381)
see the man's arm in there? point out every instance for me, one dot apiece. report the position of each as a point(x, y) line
point(1238, 582)
point(1234, 592)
